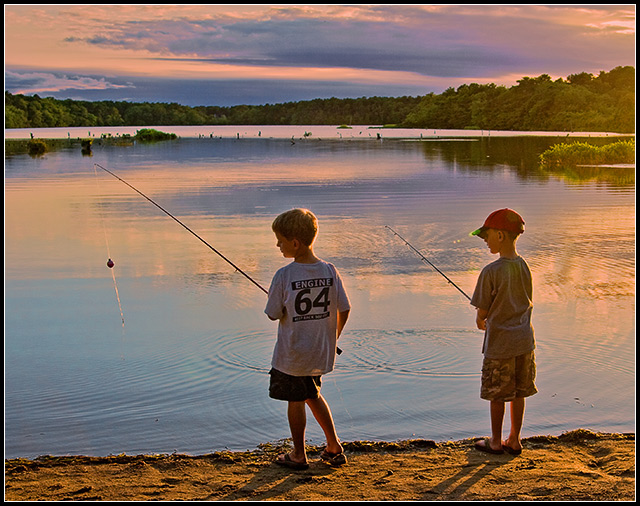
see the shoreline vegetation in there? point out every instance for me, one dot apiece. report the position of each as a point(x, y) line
point(577, 465)
point(580, 162)
point(581, 102)
point(574, 154)
point(39, 146)
point(574, 160)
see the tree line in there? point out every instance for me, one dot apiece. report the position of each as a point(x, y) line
point(581, 102)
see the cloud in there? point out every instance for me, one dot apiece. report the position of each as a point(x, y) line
point(274, 51)
point(438, 41)
point(196, 92)
point(30, 82)
point(310, 43)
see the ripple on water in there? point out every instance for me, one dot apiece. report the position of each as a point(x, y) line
point(446, 352)
point(442, 352)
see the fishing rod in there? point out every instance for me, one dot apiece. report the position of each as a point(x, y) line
point(187, 228)
point(338, 350)
point(426, 260)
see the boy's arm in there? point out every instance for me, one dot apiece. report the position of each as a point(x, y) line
point(481, 318)
point(343, 316)
point(275, 308)
point(275, 318)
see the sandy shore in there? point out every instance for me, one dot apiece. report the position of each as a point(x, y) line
point(578, 465)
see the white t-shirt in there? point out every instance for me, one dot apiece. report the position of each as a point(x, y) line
point(306, 299)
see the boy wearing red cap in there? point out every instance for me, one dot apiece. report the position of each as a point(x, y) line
point(503, 298)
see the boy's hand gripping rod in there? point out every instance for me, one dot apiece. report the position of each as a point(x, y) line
point(426, 260)
point(338, 351)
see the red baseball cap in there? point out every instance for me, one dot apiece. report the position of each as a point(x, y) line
point(502, 219)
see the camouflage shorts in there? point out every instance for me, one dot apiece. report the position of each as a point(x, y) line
point(504, 379)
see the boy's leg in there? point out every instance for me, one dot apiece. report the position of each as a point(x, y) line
point(296, 412)
point(517, 417)
point(525, 387)
point(322, 414)
point(497, 420)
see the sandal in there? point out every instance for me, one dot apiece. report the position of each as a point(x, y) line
point(483, 446)
point(333, 459)
point(285, 460)
point(511, 451)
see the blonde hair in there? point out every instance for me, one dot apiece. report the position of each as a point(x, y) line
point(299, 224)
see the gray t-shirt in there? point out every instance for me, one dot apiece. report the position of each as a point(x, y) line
point(505, 290)
point(306, 299)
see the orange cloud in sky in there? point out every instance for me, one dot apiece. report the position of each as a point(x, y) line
point(378, 48)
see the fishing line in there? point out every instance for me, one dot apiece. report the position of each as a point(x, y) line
point(344, 404)
point(186, 227)
point(339, 351)
point(110, 263)
point(427, 261)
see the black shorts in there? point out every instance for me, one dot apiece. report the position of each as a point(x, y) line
point(293, 388)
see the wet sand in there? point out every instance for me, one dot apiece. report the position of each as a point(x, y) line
point(578, 465)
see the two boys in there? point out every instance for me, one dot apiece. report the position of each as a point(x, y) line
point(308, 298)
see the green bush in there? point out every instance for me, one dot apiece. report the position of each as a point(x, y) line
point(620, 152)
point(37, 147)
point(582, 153)
point(152, 135)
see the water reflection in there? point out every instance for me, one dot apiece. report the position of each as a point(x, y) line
point(521, 155)
point(189, 371)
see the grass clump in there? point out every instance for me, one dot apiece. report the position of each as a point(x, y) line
point(36, 147)
point(569, 155)
point(152, 135)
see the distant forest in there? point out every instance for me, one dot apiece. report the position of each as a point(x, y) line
point(581, 102)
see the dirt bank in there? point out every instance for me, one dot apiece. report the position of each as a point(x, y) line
point(578, 465)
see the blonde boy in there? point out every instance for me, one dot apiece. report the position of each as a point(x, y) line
point(309, 301)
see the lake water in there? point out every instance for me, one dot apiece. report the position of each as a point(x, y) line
point(187, 370)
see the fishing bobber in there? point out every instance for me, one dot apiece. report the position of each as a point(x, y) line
point(110, 264)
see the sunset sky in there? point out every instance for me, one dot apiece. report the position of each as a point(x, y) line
point(257, 54)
